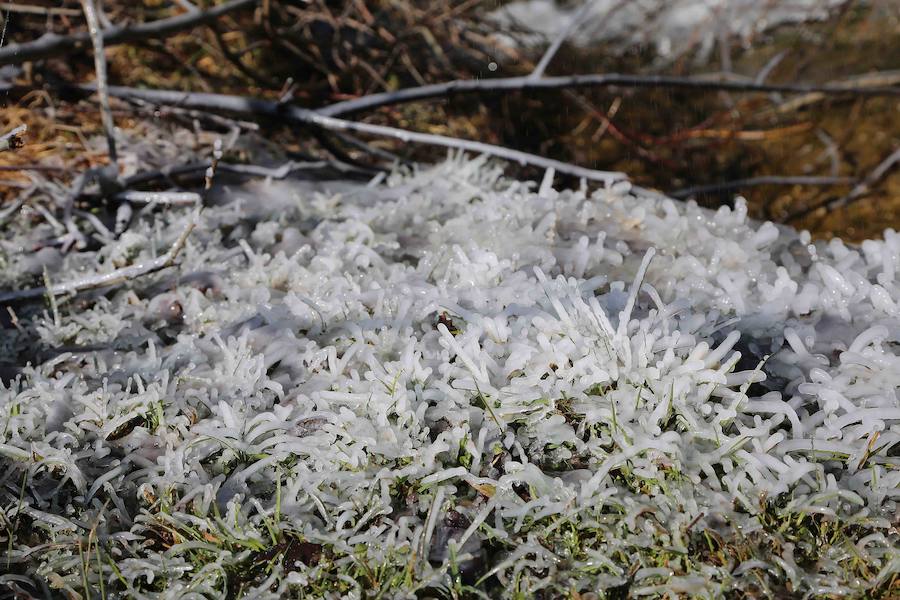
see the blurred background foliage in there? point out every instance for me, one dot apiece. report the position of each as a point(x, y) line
point(317, 52)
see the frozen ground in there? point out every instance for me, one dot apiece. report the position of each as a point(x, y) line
point(454, 384)
point(671, 27)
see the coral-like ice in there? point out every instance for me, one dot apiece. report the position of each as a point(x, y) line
point(450, 379)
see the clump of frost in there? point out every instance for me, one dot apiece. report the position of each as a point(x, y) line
point(451, 373)
point(672, 27)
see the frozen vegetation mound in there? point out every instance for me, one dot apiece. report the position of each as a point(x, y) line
point(451, 384)
point(671, 27)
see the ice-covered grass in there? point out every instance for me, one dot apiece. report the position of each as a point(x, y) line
point(451, 384)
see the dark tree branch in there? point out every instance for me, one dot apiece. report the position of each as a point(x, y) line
point(757, 181)
point(302, 116)
point(324, 139)
point(235, 59)
point(90, 15)
point(244, 170)
point(52, 44)
point(505, 84)
point(576, 20)
point(863, 186)
point(871, 180)
point(48, 168)
point(337, 152)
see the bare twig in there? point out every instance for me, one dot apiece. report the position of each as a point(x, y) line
point(236, 169)
point(757, 181)
point(866, 185)
point(123, 218)
point(191, 115)
point(254, 75)
point(767, 70)
point(163, 198)
point(324, 138)
point(862, 187)
point(188, 6)
point(369, 149)
point(105, 23)
point(831, 151)
point(576, 20)
point(73, 236)
point(106, 279)
point(46, 168)
point(6, 213)
point(12, 183)
point(254, 106)
point(213, 165)
point(90, 15)
point(274, 172)
point(288, 94)
point(877, 80)
point(13, 139)
point(505, 84)
point(78, 185)
point(12, 7)
point(96, 223)
point(523, 158)
point(52, 44)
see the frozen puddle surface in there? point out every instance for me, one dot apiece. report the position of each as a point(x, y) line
point(456, 379)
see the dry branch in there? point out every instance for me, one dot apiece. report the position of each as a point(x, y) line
point(757, 181)
point(866, 185)
point(162, 198)
point(31, 167)
point(12, 7)
point(523, 158)
point(236, 169)
point(264, 108)
point(525, 83)
point(551, 51)
point(7, 212)
point(53, 44)
point(576, 20)
point(882, 79)
point(90, 15)
point(106, 279)
point(863, 187)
